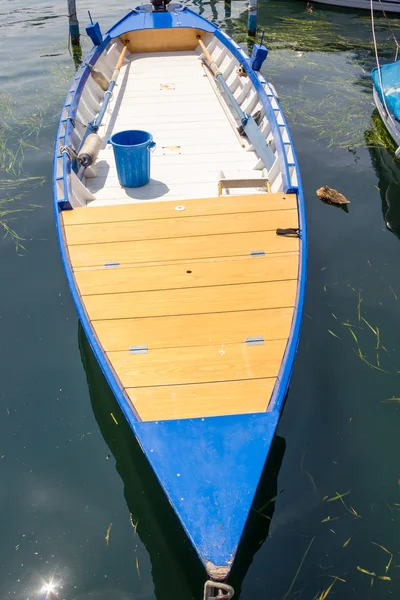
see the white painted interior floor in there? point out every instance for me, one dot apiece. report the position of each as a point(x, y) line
point(170, 95)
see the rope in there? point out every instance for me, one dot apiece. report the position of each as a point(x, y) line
point(75, 120)
point(224, 591)
point(390, 29)
point(69, 151)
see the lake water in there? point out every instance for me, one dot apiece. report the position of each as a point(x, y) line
point(71, 480)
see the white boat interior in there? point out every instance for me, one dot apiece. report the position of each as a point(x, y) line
point(171, 93)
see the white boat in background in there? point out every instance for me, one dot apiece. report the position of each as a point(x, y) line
point(383, 5)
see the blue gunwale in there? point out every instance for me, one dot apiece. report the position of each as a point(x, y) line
point(148, 433)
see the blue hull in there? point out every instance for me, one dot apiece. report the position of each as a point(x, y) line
point(208, 467)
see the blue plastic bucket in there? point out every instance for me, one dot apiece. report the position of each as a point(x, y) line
point(132, 156)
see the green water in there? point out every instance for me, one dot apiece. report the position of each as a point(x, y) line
point(68, 471)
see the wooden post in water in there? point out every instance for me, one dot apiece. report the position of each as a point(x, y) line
point(252, 19)
point(228, 8)
point(73, 22)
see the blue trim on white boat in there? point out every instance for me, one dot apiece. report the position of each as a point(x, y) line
point(242, 57)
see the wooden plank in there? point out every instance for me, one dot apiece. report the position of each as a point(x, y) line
point(161, 40)
point(185, 110)
point(244, 183)
point(200, 274)
point(224, 298)
point(167, 209)
point(198, 364)
point(230, 160)
point(194, 330)
point(155, 189)
point(125, 231)
point(213, 246)
point(202, 400)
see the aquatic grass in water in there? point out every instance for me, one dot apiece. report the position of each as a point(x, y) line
point(366, 345)
point(316, 32)
point(61, 77)
point(7, 215)
point(289, 591)
point(342, 85)
point(19, 133)
point(341, 115)
point(377, 136)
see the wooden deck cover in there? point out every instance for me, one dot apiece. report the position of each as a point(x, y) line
point(181, 279)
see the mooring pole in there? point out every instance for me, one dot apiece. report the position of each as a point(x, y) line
point(228, 8)
point(252, 20)
point(73, 22)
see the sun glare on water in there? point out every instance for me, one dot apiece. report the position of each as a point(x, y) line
point(49, 587)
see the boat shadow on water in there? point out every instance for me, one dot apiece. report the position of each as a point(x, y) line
point(387, 169)
point(176, 570)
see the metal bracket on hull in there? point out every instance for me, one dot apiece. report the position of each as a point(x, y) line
point(111, 265)
point(257, 253)
point(254, 341)
point(138, 349)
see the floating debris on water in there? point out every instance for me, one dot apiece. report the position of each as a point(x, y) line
point(310, 477)
point(347, 542)
point(350, 509)
point(137, 568)
point(387, 552)
point(326, 592)
point(338, 496)
point(373, 575)
point(107, 536)
point(133, 523)
point(334, 334)
point(370, 326)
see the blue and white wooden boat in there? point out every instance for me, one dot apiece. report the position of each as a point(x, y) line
point(386, 80)
point(190, 288)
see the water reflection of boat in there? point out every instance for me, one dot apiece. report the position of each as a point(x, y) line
point(176, 570)
point(387, 170)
